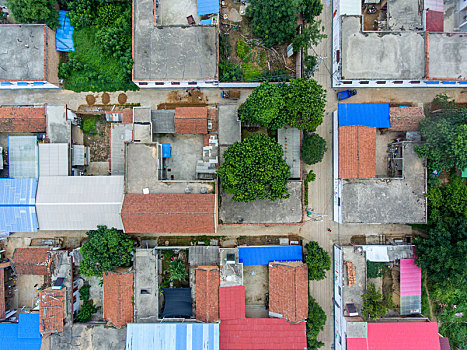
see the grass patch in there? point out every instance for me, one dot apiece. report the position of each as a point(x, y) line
point(90, 69)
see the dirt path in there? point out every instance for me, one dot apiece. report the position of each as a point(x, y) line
point(432, 315)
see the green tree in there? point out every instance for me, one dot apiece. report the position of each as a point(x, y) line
point(375, 305)
point(104, 250)
point(314, 324)
point(318, 261)
point(274, 21)
point(255, 169)
point(34, 11)
point(85, 312)
point(305, 101)
point(264, 107)
point(177, 271)
point(313, 148)
point(445, 135)
point(442, 253)
point(312, 9)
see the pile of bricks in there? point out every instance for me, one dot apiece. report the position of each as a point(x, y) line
point(351, 279)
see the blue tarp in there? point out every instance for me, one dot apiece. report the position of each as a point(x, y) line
point(22, 335)
point(64, 36)
point(206, 22)
point(207, 7)
point(264, 255)
point(374, 115)
point(17, 205)
point(172, 336)
point(166, 150)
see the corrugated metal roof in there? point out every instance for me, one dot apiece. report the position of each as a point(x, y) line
point(172, 336)
point(203, 256)
point(23, 157)
point(79, 202)
point(410, 287)
point(289, 138)
point(17, 210)
point(374, 115)
point(119, 134)
point(53, 159)
point(350, 7)
point(207, 7)
point(264, 255)
point(22, 335)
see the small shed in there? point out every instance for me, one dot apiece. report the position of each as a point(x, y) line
point(23, 157)
point(410, 287)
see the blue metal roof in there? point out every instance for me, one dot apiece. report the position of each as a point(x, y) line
point(264, 255)
point(172, 336)
point(207, 7)
point(206, 22)
point(23, 157)
point(17, 205)
point(22, 335)
point(374, 115)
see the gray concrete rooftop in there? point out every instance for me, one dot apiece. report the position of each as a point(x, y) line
point(448, 56)
point(146, 286)
point(22, 53)
point(404, 15)
point(58, 127)
point(175, 12)
point(381, 56)
point(203, 256)
point(173, 53)
point(265, 211)
point(119, 134)
point(230, 129)
point(289, 139)
point(399, 201)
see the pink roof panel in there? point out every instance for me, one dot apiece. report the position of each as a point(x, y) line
point(357, 344)
point(411, 278)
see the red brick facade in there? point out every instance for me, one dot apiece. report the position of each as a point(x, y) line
point(288, 290)
point(169, 213)
point(207, 293)
point(22, 119)
point(118, 298)
point(191, 120)
point(357, 152)
point(31, 261)
point(52, 310)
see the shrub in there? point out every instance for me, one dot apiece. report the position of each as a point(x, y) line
point(86, 311)
point(107, 14)
point(229, 71)
point(318, 261)
point(81, 12)
point(255, 169)
point(375, 269)
point(177, 271)
point(89, 125)
point(104, 250)
point(313, 148)
point(242, 49)
point(84, 292)
point(314, 324)
point(34, 11)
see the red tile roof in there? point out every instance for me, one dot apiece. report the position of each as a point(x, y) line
point(288, 290)
point(31, 261)
point(403, 336)
point(191, 120)
point(22, 119)
point(52, 310)
point(231, 303)
point(127, 117)
point(406, 118)
point(238, 332)
point(357, 152)
point(207, 293)
point(2, 293)
point(118, 294)
point(169, 213)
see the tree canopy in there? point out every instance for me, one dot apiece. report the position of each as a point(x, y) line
point(34, 11)
point(375, 305)
point(314, 324)
point(318, 261)
point(255, 169)
point(305, 101)
point(445, 136)
point(313, 148)
point(106, 249)
point(300, 104)
point(264, 107)
point(177, 270)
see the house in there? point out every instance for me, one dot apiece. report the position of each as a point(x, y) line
point(32, 261)
point(32, 57)
point(207, 293)
point(23, 119)
point(378, 177)
point(405, 44)
point(52, 310)
point(118, 298)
